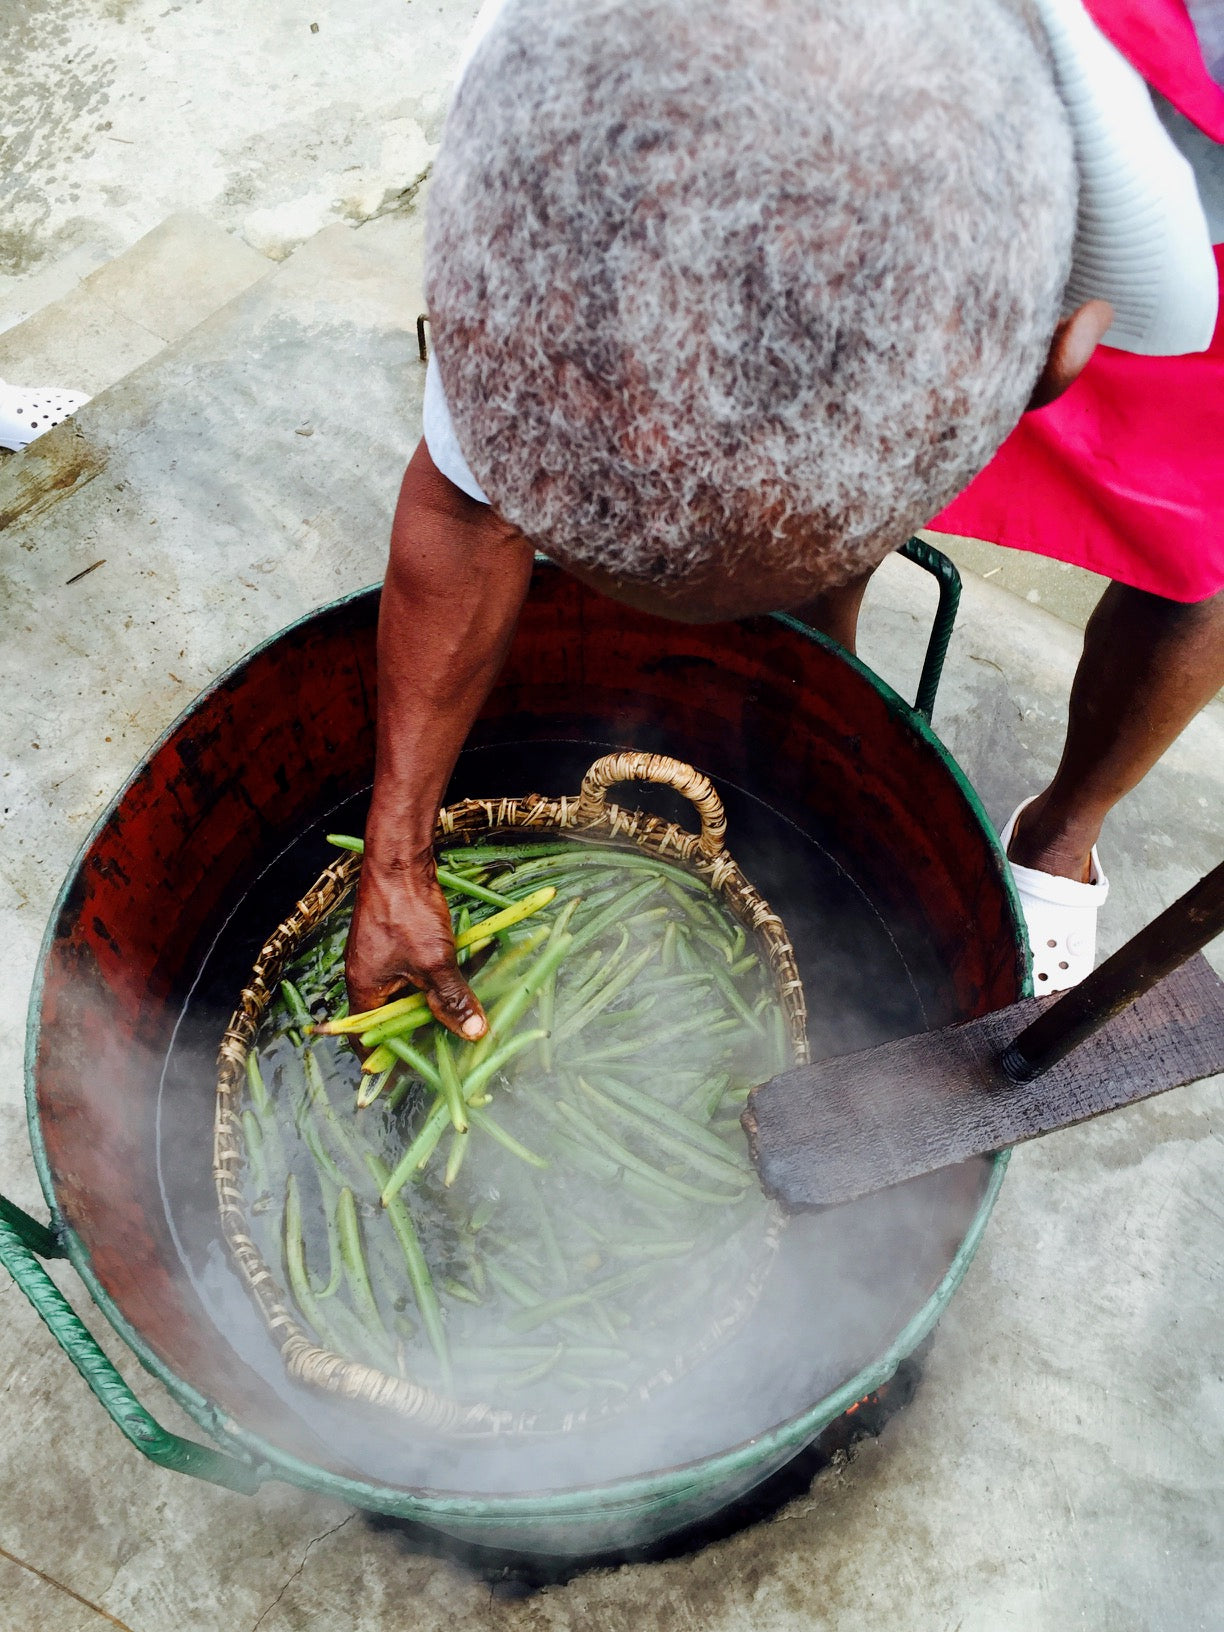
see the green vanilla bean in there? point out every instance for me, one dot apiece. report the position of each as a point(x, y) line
point(256, 1159)
point(503, 968)
point(510, 852)
point(372, 1087)
point(319, 1099)
point(416, 1060)
point(731, 992)
point(323, 1159)
point(403, 1025)
point(548, 1236)
point(651, 1249)
point(632, 861)
point(623, 1157)
point(456, 1289)
point(720, 943)
point(298, 1012)
point(476, 1078)
point(344, 841)
point(534, 1374)
point(467, 886)
point(507, 918)
point(673, 1130)
point(714, 1097)
point(295, 1258)
point(256, 1086)
point(452, 1092)
point(486, 1124)
point(356, 1273)
point(600, 967)
point(402, 1089)
point(418, 1152)
point(509, 1009)
point(335, 1257)
point(528, 1319)
point(617, 912)
point(619, 1019)
point(515, 1288)
point(575, 1022)
point(547, 1006)
point(432, 1129)
point(460, 1139)
point(525, 1295)
point(418, 1270)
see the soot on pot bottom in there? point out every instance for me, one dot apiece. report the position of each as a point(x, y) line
point(843, 1282)
point(512, 1573)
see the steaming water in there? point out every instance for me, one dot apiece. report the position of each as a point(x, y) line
point(843, 1282)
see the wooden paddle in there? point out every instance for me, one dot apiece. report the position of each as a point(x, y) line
point(1149, 1019)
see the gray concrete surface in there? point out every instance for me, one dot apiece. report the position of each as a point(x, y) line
point(1070, 593)
point(273, 120)
point(133, 307)
point(1061, 1465)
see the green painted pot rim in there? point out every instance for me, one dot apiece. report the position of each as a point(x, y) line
point(542, 1508)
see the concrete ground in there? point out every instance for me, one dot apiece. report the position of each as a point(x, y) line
point(1061, 1465)
point(273, 120)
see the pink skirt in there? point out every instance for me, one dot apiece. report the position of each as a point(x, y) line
point(1124, 474)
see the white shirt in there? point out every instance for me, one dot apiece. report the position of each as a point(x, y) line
point(1142, 239)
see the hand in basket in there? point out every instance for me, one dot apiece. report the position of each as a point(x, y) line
point(402, 935)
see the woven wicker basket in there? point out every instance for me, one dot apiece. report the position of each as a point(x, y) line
point(589, 816)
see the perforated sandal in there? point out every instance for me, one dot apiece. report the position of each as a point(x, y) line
point(1061, 914)
point(26, 412)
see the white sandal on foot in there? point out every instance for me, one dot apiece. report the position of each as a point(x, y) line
point(26, 412)
point(1061, 914)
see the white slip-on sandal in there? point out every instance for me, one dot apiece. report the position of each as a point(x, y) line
point(1061, 914)
point(27, 411)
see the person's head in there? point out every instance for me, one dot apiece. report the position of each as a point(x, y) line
point(728, 298)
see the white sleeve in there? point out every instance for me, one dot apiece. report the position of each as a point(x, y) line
point(440, 438)
point(1141, 239)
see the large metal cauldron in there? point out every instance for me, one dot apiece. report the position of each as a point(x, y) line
point(286, 738)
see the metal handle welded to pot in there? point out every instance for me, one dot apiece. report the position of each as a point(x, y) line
point(944, 572)
point(23, 1243)
point(948, 579)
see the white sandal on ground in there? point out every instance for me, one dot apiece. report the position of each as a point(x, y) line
point(27, 411)
point(1061, 914)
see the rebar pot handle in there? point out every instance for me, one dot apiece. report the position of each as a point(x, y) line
point(23, 1240)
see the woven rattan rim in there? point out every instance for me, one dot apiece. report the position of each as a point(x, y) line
point(589, 815)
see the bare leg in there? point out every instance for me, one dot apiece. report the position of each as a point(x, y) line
point(835, 613)
point(1148, 666)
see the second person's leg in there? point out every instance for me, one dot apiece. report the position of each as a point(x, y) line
point(1148, 666)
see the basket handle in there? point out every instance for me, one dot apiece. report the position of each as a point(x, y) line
point(23, 1240)
point(635, 766)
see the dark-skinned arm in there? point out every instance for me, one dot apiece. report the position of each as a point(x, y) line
point(456, 580)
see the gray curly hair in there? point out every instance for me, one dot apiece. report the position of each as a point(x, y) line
point(770, 279)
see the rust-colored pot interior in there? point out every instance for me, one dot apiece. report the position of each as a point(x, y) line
point(797, 739)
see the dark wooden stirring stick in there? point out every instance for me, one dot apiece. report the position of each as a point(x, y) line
point(1150, 1018)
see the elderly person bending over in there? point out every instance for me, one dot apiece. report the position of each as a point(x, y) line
point(727, 300)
